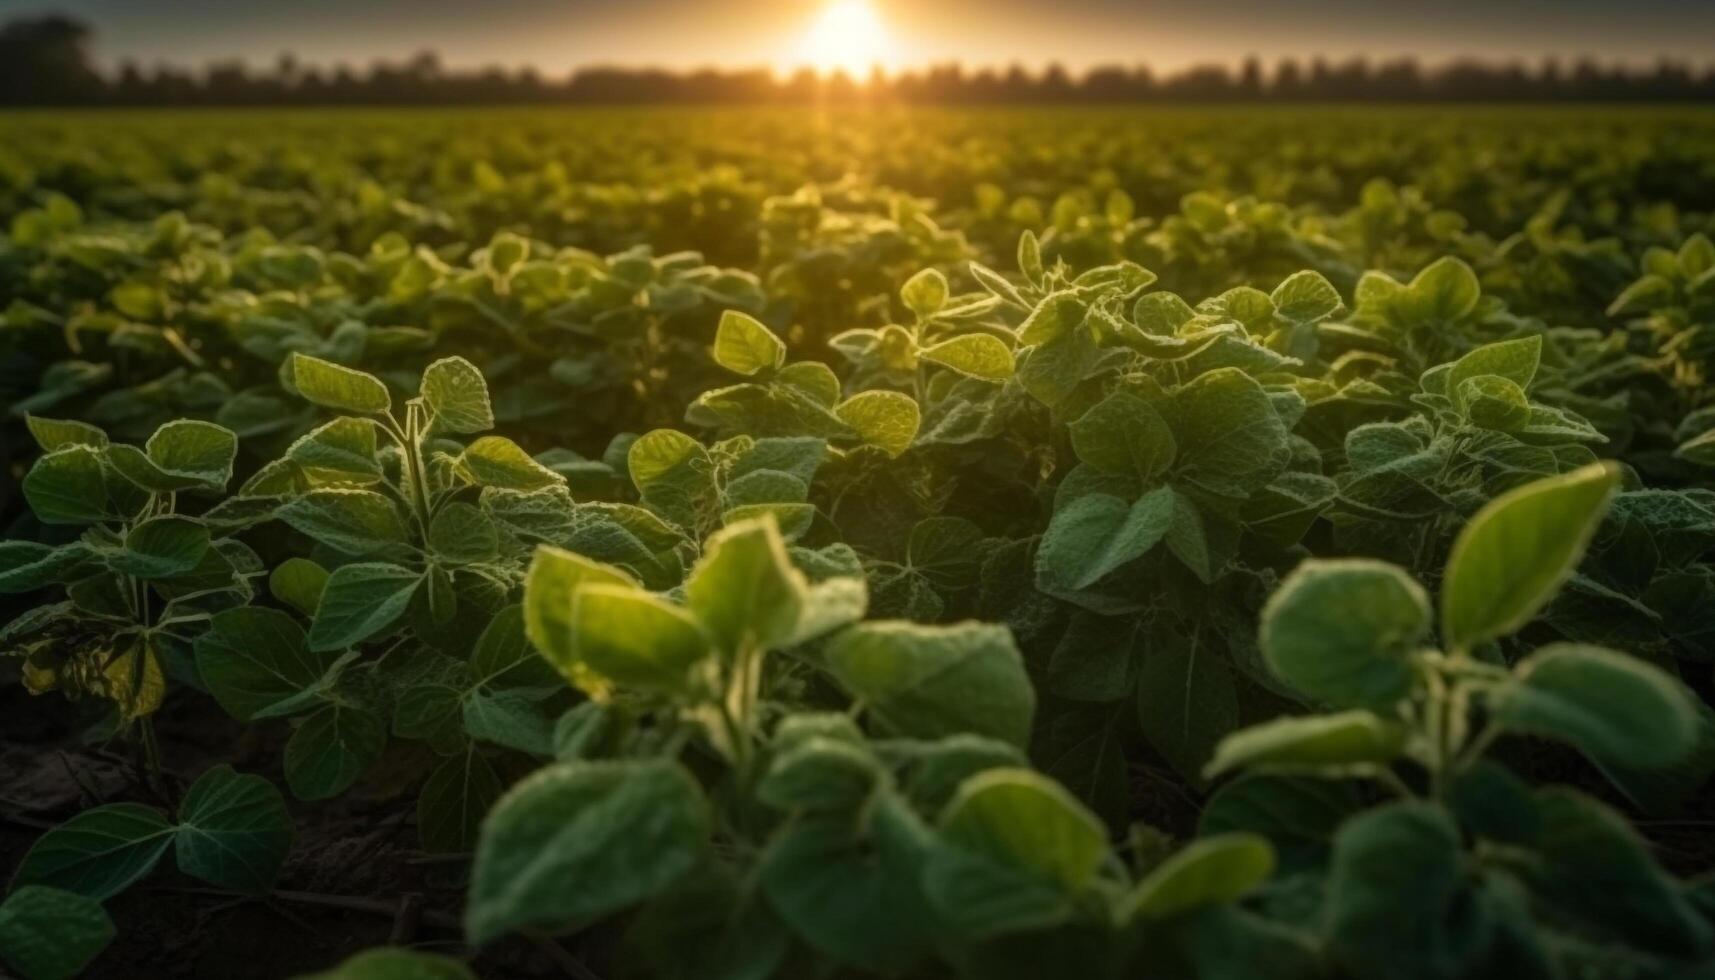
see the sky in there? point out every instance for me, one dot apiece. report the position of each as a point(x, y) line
point(556, 36)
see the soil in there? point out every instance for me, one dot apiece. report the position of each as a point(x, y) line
point(354, 879)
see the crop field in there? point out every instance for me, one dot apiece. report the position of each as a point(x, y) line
point(749, 543)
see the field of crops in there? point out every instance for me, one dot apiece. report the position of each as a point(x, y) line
point(737, 544)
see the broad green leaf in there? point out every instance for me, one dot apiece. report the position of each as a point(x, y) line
point(1305, 297)
point(1444, 292)
point(1514, 554)
point(1617, 709)
point(51, 934)
point(461, 532)
point(331, 747)
point(1494, 403)
point(975, 355)
point(1123, 435)
point(200, 453)
point(162, 547)
point(1015, 852)
point(1394, 882)
point(744, 346)
point(395, 964)
point(257, 664)
point(1341, 630)
point(503, 657)
point(335, 386)
point(340, 451)
point(456, 393)
point(745, 590)
point(298, 582)
point(98, 853)
point(854, 892)
point(636, 640)
point(510, 719)
point(1231, 440)
point(68, 486)
point(350, 521)
point(26, 566)
point(887, 420)
point(821, 774)
point(550, 585)
point(1337, 744)
point(1186, 700)
point(453, 801)
point(1019, 818)
point(1514, 360)
point(54, 434)
point(925, 293)
point(233, 831)
point(660, 452)
point(1053, 317)
point(579, 841)
point(496, 461)
point(1209, 871)
point(1096, 534)
point(931, 681)
point(360, 601)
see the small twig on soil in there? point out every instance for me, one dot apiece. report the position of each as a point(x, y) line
point(23, 821)
point(564, 959)
point(374, 906)
point(406, 919)
point(460, 858)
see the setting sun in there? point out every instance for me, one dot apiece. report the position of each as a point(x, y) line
point(847, 36)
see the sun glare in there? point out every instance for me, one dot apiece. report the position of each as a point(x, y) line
point(848, 36)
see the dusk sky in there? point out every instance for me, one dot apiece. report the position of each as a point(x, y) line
point(558, 35)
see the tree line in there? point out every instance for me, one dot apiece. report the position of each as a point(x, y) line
point(45, 61)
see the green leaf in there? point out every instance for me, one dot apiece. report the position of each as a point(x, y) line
point(510, 719)
point(550, 585)
point(26, 566)
point(54, 434)
point(1231, 440)
point(1210, 871)
point(885, 419)
point(1305, 297)
point(395, 964)
point(503, 657)
point(1514, 360)
point(745, 590)
point(360, 601)
point(51, 934)
point(298, 582)
point(461, 532)
point(744, 346)
point(340, 451)
point(930, 681)
point(852, 890)
point(335, 386)
point(1616, 709)
point(1123, 435)
point(579, 841)
point(98, 853)
point(1186, 701)
point(1341, 631)
point(1514, 554)
point(821, 774)
point(68, 486)
point(1335, 745)
point(233, 831)
point(256, 663)
point(332, 747)
point(496, 461)
point(925, 293)
point(1444, 292)
point(658, 453)
point(1056, 315)
point(456, 393)
point(1394, 882)
point(975, 355)
point(198, 453)
point(162, 547)
point(454, 799)
point(635, 640)
point(1096, 534)
point(351, 521)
